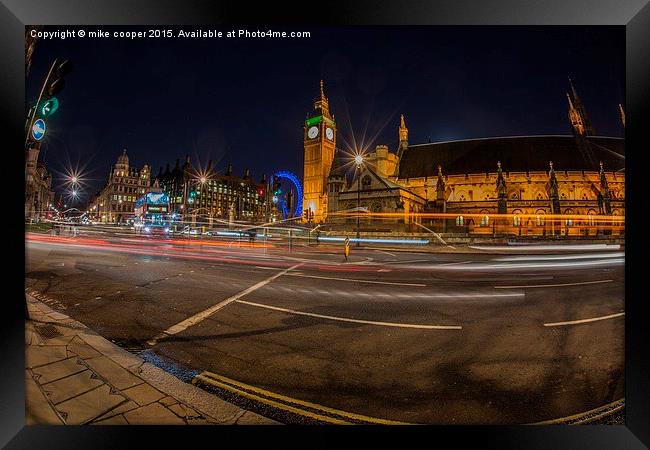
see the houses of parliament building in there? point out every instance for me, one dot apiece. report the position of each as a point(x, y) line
point(466, 185)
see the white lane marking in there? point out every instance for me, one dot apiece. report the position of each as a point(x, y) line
point(388, 253)
point(356, 280)
point(266, 268)
point(456, 263)
point(345, 319)
point(553, 285)
point(199, 317)
point(575, 322)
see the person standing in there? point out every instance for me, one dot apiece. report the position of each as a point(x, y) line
point(346, 247)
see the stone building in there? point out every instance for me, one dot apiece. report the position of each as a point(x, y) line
point(512, 184)
point(205, 196)
point(38, 185)
point(115, 202)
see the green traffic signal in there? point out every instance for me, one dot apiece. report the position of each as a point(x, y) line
point(48, 107)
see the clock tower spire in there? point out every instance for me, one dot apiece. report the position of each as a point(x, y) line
point(319, 140)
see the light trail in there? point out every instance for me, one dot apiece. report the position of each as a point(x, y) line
point(561, 257)
point(579, 283)
point(523, 247)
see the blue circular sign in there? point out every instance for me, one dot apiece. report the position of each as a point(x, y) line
point(38, 129)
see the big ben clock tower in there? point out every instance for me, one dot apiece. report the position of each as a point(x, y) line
point(319, 141)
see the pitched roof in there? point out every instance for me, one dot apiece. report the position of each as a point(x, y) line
point(516, 153)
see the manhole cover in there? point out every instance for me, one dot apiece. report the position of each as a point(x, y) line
point(47, 331)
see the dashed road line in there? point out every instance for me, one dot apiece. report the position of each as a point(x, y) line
point(345, 319)
point(201, 316)
point(576, 322)
point(580, 283)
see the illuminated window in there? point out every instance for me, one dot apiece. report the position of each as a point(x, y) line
point(516, 220)
point(569, 222)
point(485, 220)
point(460, 221)
point(540, 220)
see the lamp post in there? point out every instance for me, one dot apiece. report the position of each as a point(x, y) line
point(359, 161)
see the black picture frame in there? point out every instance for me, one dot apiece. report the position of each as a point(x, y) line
point(634, 15)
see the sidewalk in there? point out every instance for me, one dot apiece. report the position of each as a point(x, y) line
point(74, 376)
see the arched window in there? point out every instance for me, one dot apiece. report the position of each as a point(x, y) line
point(540, 220)
point(568, 222)
point(365, 182)
point(460, 221)
point(514, 196)
point(540, 196)
point(485, 220)
point(462, 198)
point(516, 220)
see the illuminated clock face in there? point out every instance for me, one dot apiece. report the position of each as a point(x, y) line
point(312, 132)
point(329, 133)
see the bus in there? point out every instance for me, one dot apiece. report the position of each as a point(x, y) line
point(152, 214)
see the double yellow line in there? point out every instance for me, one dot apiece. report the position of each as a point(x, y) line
point(288, 404)
point(587, 416)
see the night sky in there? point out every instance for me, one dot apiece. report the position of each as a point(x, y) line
point(245, 101)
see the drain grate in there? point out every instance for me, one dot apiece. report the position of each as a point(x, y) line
point(131, 345)
point(47, 331)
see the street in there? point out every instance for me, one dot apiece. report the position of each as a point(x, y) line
point(465, 335)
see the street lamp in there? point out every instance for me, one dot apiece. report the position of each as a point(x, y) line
point(358, 159)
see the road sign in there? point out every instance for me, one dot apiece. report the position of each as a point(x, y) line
point(48, 107)
point(38, 129)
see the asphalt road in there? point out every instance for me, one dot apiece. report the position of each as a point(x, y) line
point(463, 336)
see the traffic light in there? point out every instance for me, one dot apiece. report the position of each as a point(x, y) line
point(47, 104)
point(277, 188)
point(57, 84)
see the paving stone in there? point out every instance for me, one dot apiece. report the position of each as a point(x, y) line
point(168, 401)
point(60, 369)
point(79, 347)
point(59, 340)
point(250, 418)
point(115, 420)
point(124, 407)
point(90, 405)
point(37, 409)
point(184, 411)
point(112, 351)
point(200, 421)
point(68, 387)
point(57, 316)
point(153, 414)
point(143, 394)
point(115, 374)
point(31, 336)
point(209, 405)
point(37, 356)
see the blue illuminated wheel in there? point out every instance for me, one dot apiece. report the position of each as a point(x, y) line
point(289, 177)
